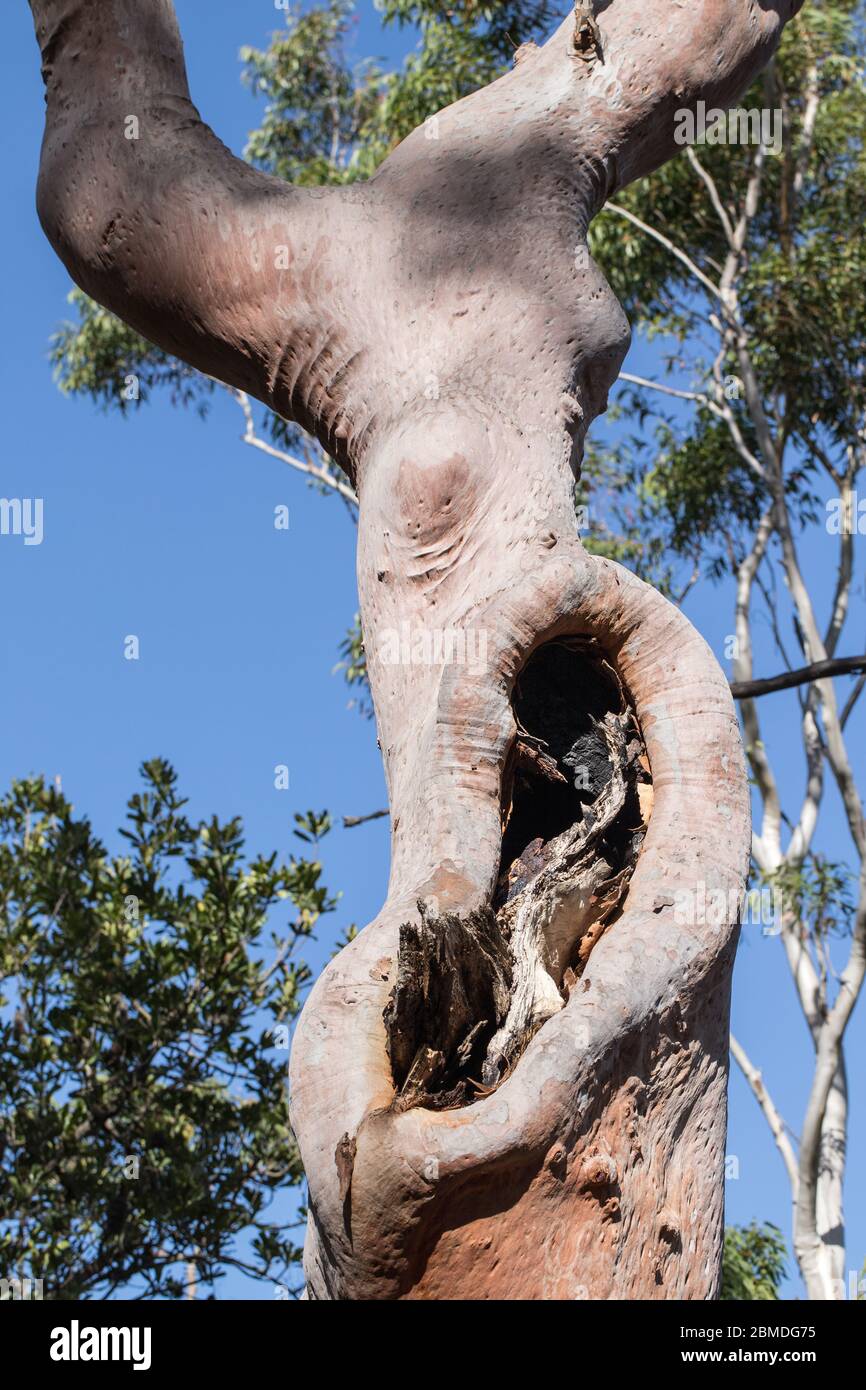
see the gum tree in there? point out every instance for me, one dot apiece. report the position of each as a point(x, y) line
point(750, 261)
point(512, 1083)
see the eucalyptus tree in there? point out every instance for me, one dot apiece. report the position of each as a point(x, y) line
point(512, 1083)
point(747, 259)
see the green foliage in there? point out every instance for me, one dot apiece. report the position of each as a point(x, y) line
point(462, 46)
point(657, 496)
point(325, 121)
point(317, 106)
point(312, 826)
point(683, 493)
point(818, 894)
point(353, 664)
point(143, 1020)
point(100, 357)
point(753, 1266)
point(801, 304)
point(139, 1037)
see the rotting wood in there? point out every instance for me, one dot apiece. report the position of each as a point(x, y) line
point(471, 992)
point(452, 993)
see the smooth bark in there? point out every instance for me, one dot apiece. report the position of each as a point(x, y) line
point(444, 334)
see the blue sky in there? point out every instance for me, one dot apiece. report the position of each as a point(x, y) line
point(161, 526)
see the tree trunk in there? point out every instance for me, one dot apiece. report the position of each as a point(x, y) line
point(829, 1205)
point(445, 335)
point(595, 1169)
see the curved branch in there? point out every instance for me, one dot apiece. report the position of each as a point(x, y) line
point(715, 198)
point(851, 701)
point(676, 251)
point(289, 293)
point(697, 396)
point(771, 1114)
point(845, 568)
point(318, 474)
point(221, 265)
point(766, 845)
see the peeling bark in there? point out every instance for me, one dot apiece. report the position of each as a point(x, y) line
point(594, 1166)
point(471, 993)
point(559, 913)
point(452, 992)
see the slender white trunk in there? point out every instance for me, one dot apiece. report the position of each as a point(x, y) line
point(829, 1210)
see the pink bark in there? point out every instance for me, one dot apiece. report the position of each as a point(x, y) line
point(442, 332)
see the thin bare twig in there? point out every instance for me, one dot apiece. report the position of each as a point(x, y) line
point(771, 1114)
point(349, 821)
point(675, 250)
point(312, 470)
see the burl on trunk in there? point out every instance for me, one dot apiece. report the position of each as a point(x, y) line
point(512, 1083)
